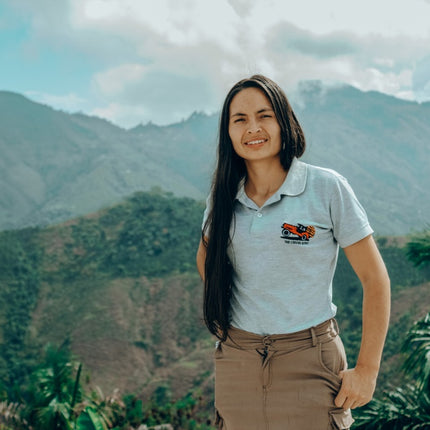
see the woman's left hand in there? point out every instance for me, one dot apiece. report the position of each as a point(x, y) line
point(358, 386)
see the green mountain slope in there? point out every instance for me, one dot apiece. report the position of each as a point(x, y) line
point(56, 166)
point(120, 287)
point(380, 144)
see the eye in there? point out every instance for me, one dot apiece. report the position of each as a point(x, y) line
point(238, 120)
point(266, 116)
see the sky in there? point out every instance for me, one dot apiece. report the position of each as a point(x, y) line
point(140, 61)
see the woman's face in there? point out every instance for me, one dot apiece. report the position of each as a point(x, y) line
point(253, 127)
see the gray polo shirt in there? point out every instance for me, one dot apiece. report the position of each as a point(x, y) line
point(284, 253)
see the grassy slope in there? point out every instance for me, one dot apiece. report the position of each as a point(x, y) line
point(136, 330)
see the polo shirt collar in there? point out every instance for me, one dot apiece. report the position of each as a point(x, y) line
point(294, 183)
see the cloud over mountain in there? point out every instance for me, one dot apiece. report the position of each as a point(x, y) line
point(137, 61)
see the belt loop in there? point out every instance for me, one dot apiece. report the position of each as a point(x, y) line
point(314, 336)
point(335, 325)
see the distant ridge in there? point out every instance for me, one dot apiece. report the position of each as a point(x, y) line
point(55, 166)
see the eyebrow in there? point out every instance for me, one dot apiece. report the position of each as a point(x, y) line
point(265, 109)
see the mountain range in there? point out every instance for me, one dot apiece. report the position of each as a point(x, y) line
point(56, 166)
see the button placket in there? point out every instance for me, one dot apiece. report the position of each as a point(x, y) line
point(257, 221)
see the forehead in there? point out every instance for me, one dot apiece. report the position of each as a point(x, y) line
point(249, 100)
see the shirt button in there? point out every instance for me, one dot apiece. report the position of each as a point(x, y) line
point(259, 214)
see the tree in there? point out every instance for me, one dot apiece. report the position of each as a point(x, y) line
point(417, 363)
point(418, 249)
point(54, 391)
point(100, 412)
point(10, 416)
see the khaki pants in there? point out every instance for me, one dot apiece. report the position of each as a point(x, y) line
point(279, 382)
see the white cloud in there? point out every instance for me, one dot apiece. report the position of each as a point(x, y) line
point(366, 17)
point(369, 62)
point(424, 94)
point(388, 83)
point(384, 62)
point(114, 82)
point(157, 95)
point(421, 79)
point(185, 23)
point(125, 115)
point(161, 60)
point(68, 102)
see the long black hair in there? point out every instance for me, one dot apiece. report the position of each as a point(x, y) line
point(229, 171)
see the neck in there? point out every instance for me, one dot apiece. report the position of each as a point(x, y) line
point(263, 180)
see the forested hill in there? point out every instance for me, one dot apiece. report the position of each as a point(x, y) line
point(56, 166)
point(120, 287)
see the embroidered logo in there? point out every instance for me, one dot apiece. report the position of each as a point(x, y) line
point(297, 233)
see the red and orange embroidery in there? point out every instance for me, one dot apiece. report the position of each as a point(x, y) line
point(297, 232)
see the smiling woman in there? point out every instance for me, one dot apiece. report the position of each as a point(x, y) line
point(279, 360)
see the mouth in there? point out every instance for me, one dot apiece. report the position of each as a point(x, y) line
point(255, 142)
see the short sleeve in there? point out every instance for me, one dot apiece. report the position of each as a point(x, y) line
point(350, 222)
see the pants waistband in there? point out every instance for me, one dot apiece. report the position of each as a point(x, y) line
point(320, 333)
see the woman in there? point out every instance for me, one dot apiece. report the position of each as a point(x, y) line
point(271, 233)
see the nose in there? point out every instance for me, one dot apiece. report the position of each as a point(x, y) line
point(253, 128)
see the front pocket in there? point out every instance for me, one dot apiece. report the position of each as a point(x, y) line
point(332, 357)
point(341, 419)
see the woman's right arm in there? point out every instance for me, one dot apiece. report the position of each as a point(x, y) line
point(201, 258)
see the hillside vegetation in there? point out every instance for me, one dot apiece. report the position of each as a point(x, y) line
point(119, 286)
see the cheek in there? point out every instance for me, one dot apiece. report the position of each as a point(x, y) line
point(236, 144)
point(277, 134)
point(235, 136)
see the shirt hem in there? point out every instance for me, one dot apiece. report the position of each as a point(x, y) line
point(365, 231)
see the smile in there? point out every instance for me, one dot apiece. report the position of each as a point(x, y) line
point(255, 142)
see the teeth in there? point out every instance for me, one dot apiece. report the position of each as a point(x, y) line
point(255, 142)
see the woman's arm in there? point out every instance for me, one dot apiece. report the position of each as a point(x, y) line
point(201, 258)
point(358, 384)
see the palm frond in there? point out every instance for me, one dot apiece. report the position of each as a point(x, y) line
point(405, 408)
point(11, 413)
point(418, 248)
point(417, 346)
